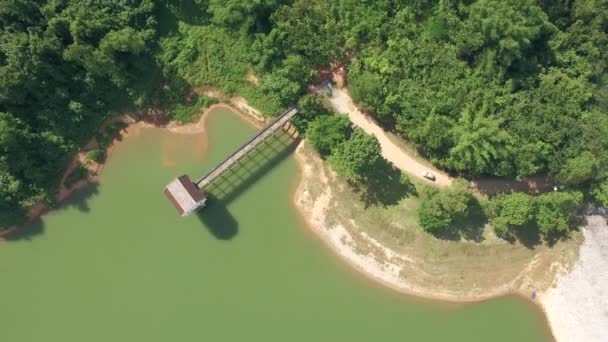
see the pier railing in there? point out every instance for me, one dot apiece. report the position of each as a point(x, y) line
point(242, 151)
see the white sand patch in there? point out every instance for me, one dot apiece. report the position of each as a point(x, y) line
point(577, 308)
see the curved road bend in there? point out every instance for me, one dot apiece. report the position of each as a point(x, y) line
point(343, 103)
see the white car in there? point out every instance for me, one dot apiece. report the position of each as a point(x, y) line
point(428, 175)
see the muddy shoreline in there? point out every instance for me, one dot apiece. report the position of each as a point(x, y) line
point(133, 124)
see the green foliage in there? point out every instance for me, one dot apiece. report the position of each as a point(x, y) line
point(327, 132)
point(106, 135)
point(78, 174)
point(440, 208)
point(480, 143)
point(508, 31)
point(557, 211)
point(366, 89)
point(309, 29)
point(63, 67)
point(209, 55)
point(578, 169)
point(311, 107)
point(479, 86)
point(356, 158)
point(404, 179)
point(551, 214)
point(599, 191)
point(189, 112)
point(97, 155)
point(511, 211)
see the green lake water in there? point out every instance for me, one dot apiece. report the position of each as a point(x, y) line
point(118, 264)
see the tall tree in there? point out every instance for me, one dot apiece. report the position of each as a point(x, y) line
point(356, 158)
point(327, 132)
point(480, 142)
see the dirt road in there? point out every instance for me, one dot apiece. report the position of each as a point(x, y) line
point(343, 103)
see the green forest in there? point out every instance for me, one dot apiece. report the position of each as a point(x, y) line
point(508, 88)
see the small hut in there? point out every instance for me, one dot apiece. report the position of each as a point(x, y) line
point(185, 195)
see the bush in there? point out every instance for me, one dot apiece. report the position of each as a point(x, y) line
point(440, 208)
point(356, 158)
point(599, 191)
point(557, 211)
point(97, 155)
point(513, 210)
point(186, 113)
point(311, 108)
point(551, 214)
point(326, 132)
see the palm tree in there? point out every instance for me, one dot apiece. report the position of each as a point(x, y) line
point(480, 142)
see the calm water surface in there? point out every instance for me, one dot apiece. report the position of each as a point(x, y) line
point(117, 264)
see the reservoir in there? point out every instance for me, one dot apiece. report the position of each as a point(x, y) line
point(117, 263)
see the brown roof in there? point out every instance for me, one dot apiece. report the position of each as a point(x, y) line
point(192, 189)
point(184, 194)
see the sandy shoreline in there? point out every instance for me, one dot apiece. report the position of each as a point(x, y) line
point(560, 304)
point(385, 270)
point(580, 292)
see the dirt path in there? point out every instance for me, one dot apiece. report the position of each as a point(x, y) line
point(343, 103)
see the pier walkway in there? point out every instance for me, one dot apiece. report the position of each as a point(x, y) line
point(242, 151)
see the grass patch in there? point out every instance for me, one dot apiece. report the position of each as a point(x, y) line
point(473, 262)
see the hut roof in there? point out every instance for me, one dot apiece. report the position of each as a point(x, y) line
point(184, 195)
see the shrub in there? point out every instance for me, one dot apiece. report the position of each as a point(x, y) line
point(326, 132)
point(186, 113)
point(556, 211)
point(513, 210)
point(356, 158)
point(599, 191)
point(97, 155)
point(439, 208)
point(311, 108)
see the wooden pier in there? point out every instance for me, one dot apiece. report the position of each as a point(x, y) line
point(242, 151)
point(188, 196)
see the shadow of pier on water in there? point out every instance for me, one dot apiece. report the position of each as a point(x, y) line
point(215, 216)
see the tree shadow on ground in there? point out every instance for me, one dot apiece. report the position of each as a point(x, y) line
point(79, 200)
point(215, 216)
point(469, 228)
point(170, 14)
point(27, 232)
point(386, 187)
point(528, 235)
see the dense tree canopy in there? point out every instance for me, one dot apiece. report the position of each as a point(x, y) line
point(63, 67)
point(482, 87)
point(491, 87)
